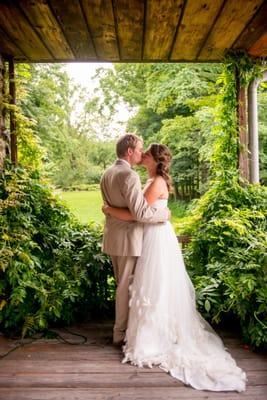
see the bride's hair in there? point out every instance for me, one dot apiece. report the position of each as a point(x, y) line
point(162, 156)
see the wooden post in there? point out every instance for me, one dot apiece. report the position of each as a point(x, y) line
point(243, 159)
point(2, 113)
point(12, 94)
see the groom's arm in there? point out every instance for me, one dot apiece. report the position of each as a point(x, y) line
point(132, 192)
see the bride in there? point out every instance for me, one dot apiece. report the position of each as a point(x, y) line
point(164, 326)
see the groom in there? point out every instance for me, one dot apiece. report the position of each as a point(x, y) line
point(121, 187)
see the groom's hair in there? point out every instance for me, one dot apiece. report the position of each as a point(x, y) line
point(125, 142)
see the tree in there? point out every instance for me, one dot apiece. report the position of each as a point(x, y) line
point(173, 104)
point(71, 149)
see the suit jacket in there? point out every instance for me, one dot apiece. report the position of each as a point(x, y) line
point(121, 187)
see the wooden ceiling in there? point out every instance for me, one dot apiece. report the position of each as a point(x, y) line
point(131, 30)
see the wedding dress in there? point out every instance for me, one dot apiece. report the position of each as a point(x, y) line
point(164, 327)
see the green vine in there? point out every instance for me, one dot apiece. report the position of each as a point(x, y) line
point(30, 153)
point(238, 67)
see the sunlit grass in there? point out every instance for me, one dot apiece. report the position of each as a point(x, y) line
point(85, 205)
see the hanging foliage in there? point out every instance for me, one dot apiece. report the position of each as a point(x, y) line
point(238, 69)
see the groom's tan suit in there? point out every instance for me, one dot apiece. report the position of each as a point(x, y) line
point(121, 187)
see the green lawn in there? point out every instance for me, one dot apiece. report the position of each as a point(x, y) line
point(86, 206)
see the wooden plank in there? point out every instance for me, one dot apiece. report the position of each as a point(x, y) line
point(89, 355)
point(253, 364)
point(92, 380)
point(162, 19)
point(44, 22)
point(255, 29)
point(104, 366)
point(129, 19)
point(231, 22)
point(18, 29)
point(56, 354)
point(56, 345)
point(197, 20)
point(242, 354)
point(100, 18)
point(61, 348)
point(178, 393)
point(58, 351)
point(70, 17)
point(259, 49)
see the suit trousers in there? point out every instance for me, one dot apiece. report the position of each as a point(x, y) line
point(123, 271)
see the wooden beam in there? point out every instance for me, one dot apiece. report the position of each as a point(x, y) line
point(70, 17)
point(9, 48)
point(197, 21)
point(100, 19)
point(2, 113)
point(243, 159)
point(44, 23)
point(129, 21)
point(259, 49)
point(232, 20)
point(15, 24)
point(254, 30)
point(12, 101)
point(162, 24)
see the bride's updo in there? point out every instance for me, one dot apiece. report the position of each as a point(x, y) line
point(162, 156)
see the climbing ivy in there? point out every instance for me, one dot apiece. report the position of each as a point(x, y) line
point(238, 67)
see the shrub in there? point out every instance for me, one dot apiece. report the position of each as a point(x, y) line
point(51, 267)
point(227, 257)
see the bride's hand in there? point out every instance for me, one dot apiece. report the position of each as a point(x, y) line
point(105, 209)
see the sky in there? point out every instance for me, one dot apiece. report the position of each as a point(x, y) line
point(83, 74)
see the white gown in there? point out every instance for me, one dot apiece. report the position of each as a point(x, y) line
point(164, 327)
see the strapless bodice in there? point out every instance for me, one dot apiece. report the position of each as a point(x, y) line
point(160, 203)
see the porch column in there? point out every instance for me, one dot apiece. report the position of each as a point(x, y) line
point(3, 143)
point(253, 128)
point(243, 162)
point(12, 94)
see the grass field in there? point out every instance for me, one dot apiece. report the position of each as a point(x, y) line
point(86, 206)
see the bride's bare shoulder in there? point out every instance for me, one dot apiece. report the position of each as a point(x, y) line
point(157, 179)
point(156, 185)
point(160, 181)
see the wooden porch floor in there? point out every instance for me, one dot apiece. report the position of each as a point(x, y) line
point(48, 369)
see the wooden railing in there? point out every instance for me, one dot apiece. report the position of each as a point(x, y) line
point(184, 240)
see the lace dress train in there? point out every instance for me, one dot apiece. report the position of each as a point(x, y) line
point(164, 326)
